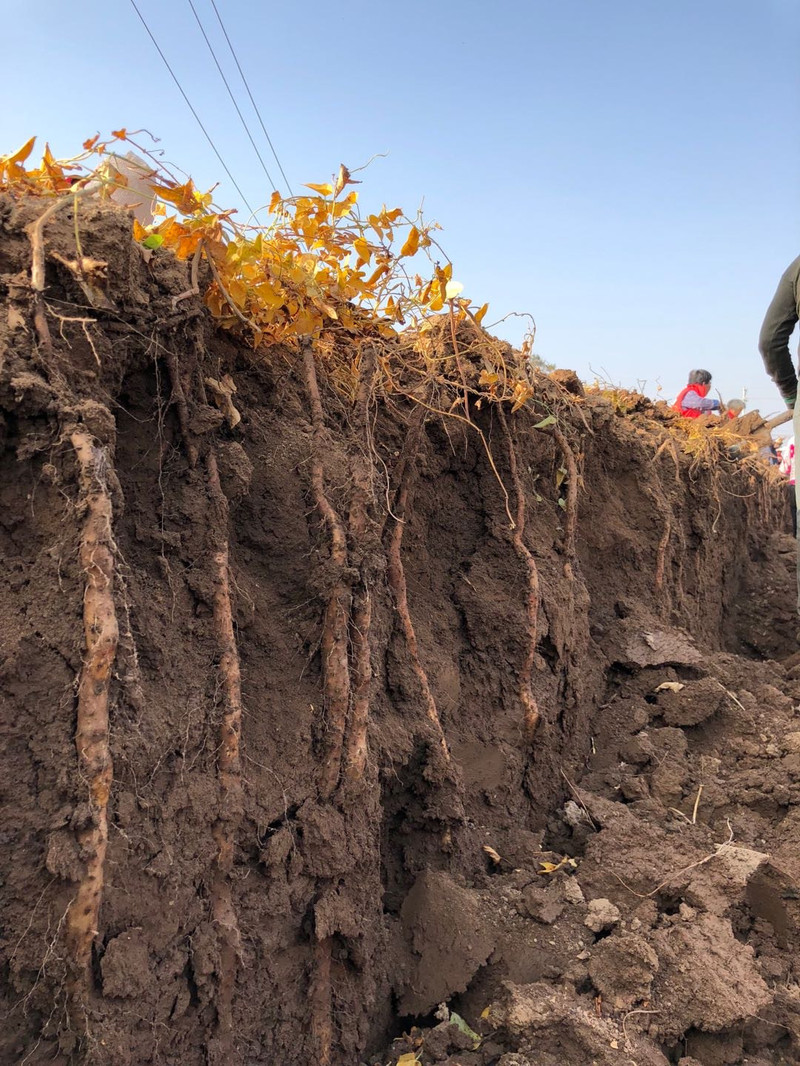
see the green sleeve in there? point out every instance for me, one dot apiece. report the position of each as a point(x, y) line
point(779, 322)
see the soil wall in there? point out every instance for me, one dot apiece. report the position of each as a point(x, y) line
point(337, 933)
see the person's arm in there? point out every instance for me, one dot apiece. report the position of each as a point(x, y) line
point(779, 323)
point(700, 403)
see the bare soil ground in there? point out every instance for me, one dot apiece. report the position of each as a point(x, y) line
point(620, 885)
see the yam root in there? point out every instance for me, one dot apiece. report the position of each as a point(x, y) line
point(396, 572)
point(228, 763)
point(355, 754)
point(181, 407)
point(571, 519)
point(101, 634)
point(321, 1001)
point(334, 643)
point(532, 595)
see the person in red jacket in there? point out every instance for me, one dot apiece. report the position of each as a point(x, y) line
point(694, 400)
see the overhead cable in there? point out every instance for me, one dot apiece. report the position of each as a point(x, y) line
point(272, 183)
point(252, 101)
point(191, 108)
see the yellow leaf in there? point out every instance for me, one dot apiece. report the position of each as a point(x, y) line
point(121, 135)
point(412, 242)
point(323, 190)
point(326, 308)
point(274, 200)
point(54, 169)
point(343, 207)
point(139, 232)
point(493, 855)
point(481, 314)
point(187, 246)
point(409, 1059)
point(383, 269)
point(185, 197)
point(363, 249)
point(21, 154)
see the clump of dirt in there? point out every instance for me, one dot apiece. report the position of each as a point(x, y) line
point(304, 738)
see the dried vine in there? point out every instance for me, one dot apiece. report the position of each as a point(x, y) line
point(35, 233)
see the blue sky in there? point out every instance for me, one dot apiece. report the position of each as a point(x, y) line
point(628, 171)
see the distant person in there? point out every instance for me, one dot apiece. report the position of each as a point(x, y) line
point(787, 469)
point(782, 316)
point(694, 400)
point(734, 408)
point(769, 453)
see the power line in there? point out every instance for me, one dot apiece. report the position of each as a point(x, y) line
point(252, 101)
point(230, 94)
point(189, 105)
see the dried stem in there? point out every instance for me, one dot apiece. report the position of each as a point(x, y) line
point(533, 595)
point(696, 805)
point(220, 285)
point(92, 735)
point(35, 233)
point(458, 360)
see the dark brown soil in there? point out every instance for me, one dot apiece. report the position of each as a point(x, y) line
point(671, 933)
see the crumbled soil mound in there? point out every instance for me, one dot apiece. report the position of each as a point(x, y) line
point(185, 878)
